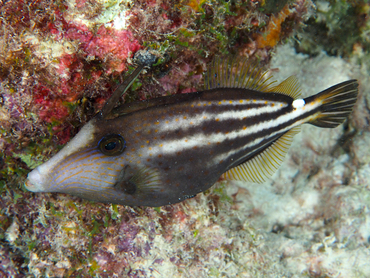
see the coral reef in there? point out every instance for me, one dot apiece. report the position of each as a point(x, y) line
point(60, 61)
point(337, 28)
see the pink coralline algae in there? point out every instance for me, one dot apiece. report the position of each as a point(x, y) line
point(105, 43)
point(177, 80)
point(63, 60)
point(113, 46)
point(51, 109)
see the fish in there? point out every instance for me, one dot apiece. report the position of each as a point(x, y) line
point(164, 150)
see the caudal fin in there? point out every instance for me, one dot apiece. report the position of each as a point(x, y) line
point(336, 103)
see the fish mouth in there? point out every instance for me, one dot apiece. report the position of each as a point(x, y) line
point(34, 181)
point(30, 186)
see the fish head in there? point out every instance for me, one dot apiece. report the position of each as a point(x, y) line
point(95, 166)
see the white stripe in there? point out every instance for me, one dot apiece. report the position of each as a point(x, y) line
point(201, 140)
point(197, 120)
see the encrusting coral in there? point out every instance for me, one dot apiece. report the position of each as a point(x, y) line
point(60, 61)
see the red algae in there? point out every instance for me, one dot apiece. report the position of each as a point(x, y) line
point(114, 46)
point(50, 109)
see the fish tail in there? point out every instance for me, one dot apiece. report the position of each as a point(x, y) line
point(334, 104)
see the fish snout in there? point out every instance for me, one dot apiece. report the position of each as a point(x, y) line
point(35, 181)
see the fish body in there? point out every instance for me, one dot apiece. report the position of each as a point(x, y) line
point(164, 150)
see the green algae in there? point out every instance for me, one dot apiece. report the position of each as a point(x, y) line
point(30, 159)
point(273, 6)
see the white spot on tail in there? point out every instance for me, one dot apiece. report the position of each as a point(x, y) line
point(298, 103)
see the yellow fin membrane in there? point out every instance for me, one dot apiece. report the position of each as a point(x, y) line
point(289, 87)
point(264, 165)
point(237, 72)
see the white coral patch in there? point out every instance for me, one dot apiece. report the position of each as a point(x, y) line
point(113, 14)
point(49, 47)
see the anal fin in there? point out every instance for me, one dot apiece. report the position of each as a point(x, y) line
point(264, 165)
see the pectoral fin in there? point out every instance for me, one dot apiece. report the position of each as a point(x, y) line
point(132, 182)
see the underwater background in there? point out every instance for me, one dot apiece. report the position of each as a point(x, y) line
point(60, 61)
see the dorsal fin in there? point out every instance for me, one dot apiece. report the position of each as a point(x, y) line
point(237, 72)
point(105, 112)
point(289, 87)
point(265, 164)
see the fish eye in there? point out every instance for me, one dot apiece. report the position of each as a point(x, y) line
point(112, 144)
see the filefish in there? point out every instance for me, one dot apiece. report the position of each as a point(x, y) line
point(164, 150)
